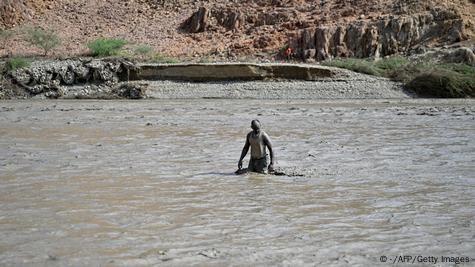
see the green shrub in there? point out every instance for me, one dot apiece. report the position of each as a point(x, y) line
point(17, 63)
point(443, 83)
point(391, 64)
point(387, 67)
point(461, 68)
point(354, 64)
point(407, 72)
point(426, 78)
point(433, 79)
point(43, 39)
point(106, 47)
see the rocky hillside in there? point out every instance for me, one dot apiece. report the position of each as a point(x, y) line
point(220, 30)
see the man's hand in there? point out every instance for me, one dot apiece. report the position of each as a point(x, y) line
point(271, 167)
point(240, 164)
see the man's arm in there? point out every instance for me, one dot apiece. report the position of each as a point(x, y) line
point(244, 152)
point(268, 143)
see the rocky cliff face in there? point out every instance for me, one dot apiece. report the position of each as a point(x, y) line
point(248, 29)
point(411, 28)
point(383, 36)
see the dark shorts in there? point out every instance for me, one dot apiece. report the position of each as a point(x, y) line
point(258, 165)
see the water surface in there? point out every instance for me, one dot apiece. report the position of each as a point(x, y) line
point(124, 183)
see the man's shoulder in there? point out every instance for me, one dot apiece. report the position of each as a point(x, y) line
point(265, 136)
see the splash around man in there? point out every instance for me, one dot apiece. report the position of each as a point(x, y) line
point(258, 140)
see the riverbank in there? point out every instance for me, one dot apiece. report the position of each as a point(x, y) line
point(357, 87)
point(115, 78)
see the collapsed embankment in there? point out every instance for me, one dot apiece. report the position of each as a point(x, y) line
point(118, 78)
point(75, 78)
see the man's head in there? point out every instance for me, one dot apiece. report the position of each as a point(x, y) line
point(256, 125)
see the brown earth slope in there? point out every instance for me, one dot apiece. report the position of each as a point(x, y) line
point(316, 29)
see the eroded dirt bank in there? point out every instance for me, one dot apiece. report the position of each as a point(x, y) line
point(140, 183)
point(118, 78)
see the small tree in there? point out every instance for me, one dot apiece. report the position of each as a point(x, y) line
point(5, 37)
point(43, 39)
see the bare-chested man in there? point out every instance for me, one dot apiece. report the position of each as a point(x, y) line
point(258, 140)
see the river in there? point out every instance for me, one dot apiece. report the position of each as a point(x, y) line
point(141, 183)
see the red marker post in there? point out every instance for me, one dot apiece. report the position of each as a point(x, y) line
point(288, 53)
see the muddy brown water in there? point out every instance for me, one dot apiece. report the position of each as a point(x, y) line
point(125, 183)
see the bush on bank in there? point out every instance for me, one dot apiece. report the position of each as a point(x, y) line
point(106, 47)
point(17, 63)
point(445, 83)
point(429, 79)
point(354, 64)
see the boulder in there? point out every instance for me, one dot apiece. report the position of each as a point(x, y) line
point(54, 93)
point(309, 54)
point(21, 76)
point(36, 89)
point(198, 22)
point(68, 77)
point(307, 42)
point(41, 75)
point(104, 75)
point(81, 72)
point(229, 19)
point(130, 90)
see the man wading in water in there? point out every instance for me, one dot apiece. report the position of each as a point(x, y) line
point(258, 141)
